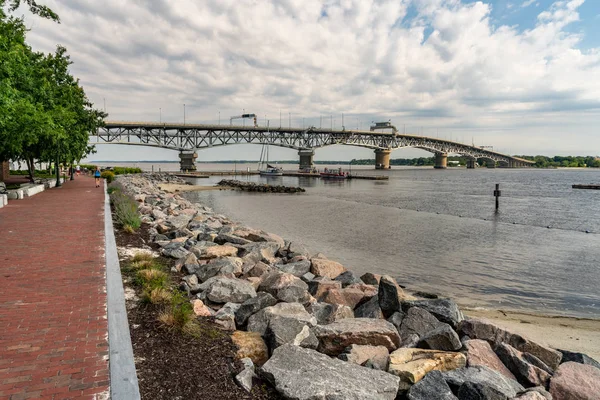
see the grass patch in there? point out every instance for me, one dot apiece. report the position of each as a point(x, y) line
point(125, 211)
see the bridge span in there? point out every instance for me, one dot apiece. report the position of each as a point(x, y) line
point(187, 138)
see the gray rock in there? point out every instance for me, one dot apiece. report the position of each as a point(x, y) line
point(223, 238)
point(200, 246)
point(297, 249)
point(348, 278)
point(432, 386)
point(441, 338)
point(535, 393)
point(298, 268)
point(369, 309)
point(253, 305)
point(417, 323)
point(396, 319)
point(304, 374)
point(157, 214)
point(377, 356)
point(578, 358)
point(282, 330)
point(260, 251)
point(260, 321)
point(285, 287)
point(179, 221)
point(245, 378)
point(174, 250)
point(220, 289)
point(478, 391)
point(220, 266)
point(371, 279)
point(307, 277)
point(226, 316)
point(484, 376)
point(335, 337)
point(443, 309)
point(326, 313)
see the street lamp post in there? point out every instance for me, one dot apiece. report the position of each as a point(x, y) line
point(58, 184)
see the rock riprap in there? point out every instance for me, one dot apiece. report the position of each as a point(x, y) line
point(320, 331)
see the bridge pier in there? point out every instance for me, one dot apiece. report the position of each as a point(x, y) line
point(306, 158)
point(441, 161)
point(382, 158)
point(490, 164)
point(187, 161)
point(471, 164)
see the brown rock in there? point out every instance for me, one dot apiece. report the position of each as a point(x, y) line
point(347, 297)
point(411, 365)
point(219, 251)
point(318, 287)
point(200, 309)
point(368, 290)
point(327, 268)
point(485, 330)
point(254, 281)
point(251, 345)
point(335, 337)
point(479, 352)
point(574, 381)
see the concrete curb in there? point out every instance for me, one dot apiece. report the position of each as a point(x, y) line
point(123, 377)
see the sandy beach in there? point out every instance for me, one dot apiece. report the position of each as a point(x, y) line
point(573, 334)
point(173, 187)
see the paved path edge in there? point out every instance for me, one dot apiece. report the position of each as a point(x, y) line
point(123, 376)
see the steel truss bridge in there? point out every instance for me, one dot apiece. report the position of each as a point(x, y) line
point(191, 137)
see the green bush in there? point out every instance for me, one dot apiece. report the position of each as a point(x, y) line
point(90, 167)
point(126, 170)
point(109, 176)
point(126, 210)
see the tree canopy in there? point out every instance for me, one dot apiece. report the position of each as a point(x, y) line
point(44, 112)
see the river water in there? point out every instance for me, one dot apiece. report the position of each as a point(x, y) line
point(437, 231)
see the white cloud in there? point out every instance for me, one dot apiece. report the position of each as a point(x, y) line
point(527, 3)
point(448, 67)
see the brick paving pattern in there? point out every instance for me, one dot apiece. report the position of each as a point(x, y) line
point(53, 326)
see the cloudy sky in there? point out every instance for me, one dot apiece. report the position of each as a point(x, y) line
point(521, 75)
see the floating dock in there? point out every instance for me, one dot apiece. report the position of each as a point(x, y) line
point(590, 186)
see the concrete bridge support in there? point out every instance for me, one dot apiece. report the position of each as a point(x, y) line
point(187, 161)
point(306, 158)
point(441, 161)
point(382, 158)
point(471, 164)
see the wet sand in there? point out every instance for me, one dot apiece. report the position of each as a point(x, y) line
point(174, 187)
point(573, 334)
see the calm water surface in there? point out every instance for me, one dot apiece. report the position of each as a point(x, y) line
point(438, 231)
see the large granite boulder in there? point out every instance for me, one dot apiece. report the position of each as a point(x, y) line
point(528, 369)
point(371, 279)
point(260, 251)
point(485, 330)
point(578, 358)
point(253, 305)
point(221, 289)
point(379, 356)
point(348, 278)
point(483, 376)
point(480, 353)
point(305, 374)
point(319, 286)
point(259, 236)
point(335, 337)
point(218, 251)
point(347, 296)
point(478, 391)
point(432, 386)
point(326, 313)
point(297, 249)
point(224, 238)
point(260, 321)
point(575, 381)
point(369, 309)
point(327, 268)
point(411, 365)
point(251, 345)
point(445, 310)
point(226, 316)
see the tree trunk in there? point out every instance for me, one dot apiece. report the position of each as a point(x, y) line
point(30, 168)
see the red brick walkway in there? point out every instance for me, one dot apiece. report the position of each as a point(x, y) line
point(53, 327)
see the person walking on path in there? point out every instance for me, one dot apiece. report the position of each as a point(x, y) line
point(97, 176)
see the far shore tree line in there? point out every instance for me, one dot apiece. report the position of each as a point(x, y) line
point(45, 115)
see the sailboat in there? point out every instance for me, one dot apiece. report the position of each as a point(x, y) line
point(270, 170)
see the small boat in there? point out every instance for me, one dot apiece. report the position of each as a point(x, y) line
point(334, 174)
point(270, 170)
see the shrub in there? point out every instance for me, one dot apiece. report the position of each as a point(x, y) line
point(108, 175)
point(126, 210)
point(156, 296)
point(126, 170)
